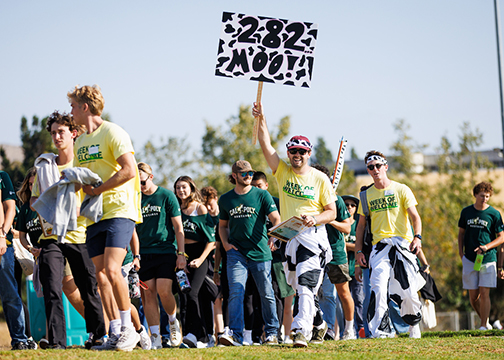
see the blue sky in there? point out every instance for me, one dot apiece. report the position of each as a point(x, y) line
point(430, 62)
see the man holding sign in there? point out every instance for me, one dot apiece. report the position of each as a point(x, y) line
point(307, 193)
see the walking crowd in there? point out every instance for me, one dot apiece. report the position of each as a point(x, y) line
point(94, 219)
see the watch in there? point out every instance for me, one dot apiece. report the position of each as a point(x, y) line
point(418, 236)
point(137, 257)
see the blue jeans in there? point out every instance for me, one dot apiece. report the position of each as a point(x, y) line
point(11, 302)
point(238, 267)
point(327, 301)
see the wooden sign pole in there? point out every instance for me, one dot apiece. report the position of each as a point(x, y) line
point(256, 122)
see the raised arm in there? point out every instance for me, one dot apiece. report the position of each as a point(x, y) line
point(263, 135)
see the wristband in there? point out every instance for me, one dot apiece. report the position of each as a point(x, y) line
point(500, 269)
point(360, 251)
point(183, 254)
point(137, 257)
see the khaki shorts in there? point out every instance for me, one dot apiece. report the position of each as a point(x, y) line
point(338, 274)
point(486, 277)
point(67, 271)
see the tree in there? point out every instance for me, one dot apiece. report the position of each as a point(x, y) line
point(403, 149)
point(169, 159)
point(221, 147)
point(321, 154)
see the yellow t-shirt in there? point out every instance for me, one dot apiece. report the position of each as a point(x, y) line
point(302, 194)
point(98, 152)
point(76, 236)
point(388, 208)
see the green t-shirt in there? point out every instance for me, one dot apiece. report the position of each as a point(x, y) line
point(336, 238)
point(8, 193)
point(29, 223)
point(481, 227)
point(247, 221)
point(199, 228)
point(156, 233)
point(350, 238)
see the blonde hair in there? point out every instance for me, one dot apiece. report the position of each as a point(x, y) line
point(90, 95)
point(145, 168)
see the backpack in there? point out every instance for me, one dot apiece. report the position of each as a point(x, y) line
point(367, 243)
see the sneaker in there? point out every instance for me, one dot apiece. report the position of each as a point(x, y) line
point(57, 347)
point(497, 325)
point(20, 346)
point(204, 345)
point(414, 332)
point(32, 345)
point(43, 344)
point(128, 339)
point(299, 340)
point(247, 338)
point(483, 328)
point(488, 326)
point(165, 341)
point(318, 333)
point(330, 335)
point(108, 343)
point(349, 334)
point(229, 340)
point(287, 340)
point(175, 334)
point(271, 340)
point(88, 344)
point(190, 340)
point(156, 342)
point(145, 341)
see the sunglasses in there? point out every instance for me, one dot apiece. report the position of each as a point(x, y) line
point(297, 151)
point(247, 173)
point(350, 205)
point(371, 167)
point(144, 182)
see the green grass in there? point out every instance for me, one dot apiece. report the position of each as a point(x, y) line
point(438, 346)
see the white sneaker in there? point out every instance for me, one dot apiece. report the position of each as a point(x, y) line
point(497, 325)
point(204, 345)
point(414, 332)
point(247, 338)
point(349, 334)
point(109, 343)
point(488, 326)
point(156, 342)
point(190, 340)
point(145, 341)
point(175, 334)
point(128, 339)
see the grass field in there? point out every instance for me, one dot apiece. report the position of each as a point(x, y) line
point(438, 346)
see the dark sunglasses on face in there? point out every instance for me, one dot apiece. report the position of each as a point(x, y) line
point(297, 151)
point(371, 167)
point(144, 182)
point(350, 205)
point(247, 173)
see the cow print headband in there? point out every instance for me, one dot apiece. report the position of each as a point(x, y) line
point(299, 143)
point(377, 158)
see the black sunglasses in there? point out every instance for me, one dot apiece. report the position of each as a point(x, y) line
point(297, 151)
point(350, 205)
point(371, 167)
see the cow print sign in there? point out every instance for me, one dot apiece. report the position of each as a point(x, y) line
point(266, 49)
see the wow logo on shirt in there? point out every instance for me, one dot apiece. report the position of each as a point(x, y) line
point(89, 153)
point(150, 210)
point(299, 191)
point(383, 204)
point(242, 211)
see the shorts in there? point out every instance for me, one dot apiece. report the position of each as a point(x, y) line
point(67, 271)
point(338, 274)
point(486, 277)
point(115, 233)
point(157, 266)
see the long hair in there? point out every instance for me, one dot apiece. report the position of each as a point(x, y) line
point(195, 194)
point(24, 192)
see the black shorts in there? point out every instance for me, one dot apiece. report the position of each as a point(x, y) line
point(157, 266)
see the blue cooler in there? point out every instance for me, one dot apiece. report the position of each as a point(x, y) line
point(75, 324)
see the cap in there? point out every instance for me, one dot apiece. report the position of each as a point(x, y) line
point(351, 197)
point(300, 142)
point(241, 166)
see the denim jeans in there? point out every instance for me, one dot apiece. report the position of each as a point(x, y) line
point(238, 267)
point(11, 302)
point(327, 301)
